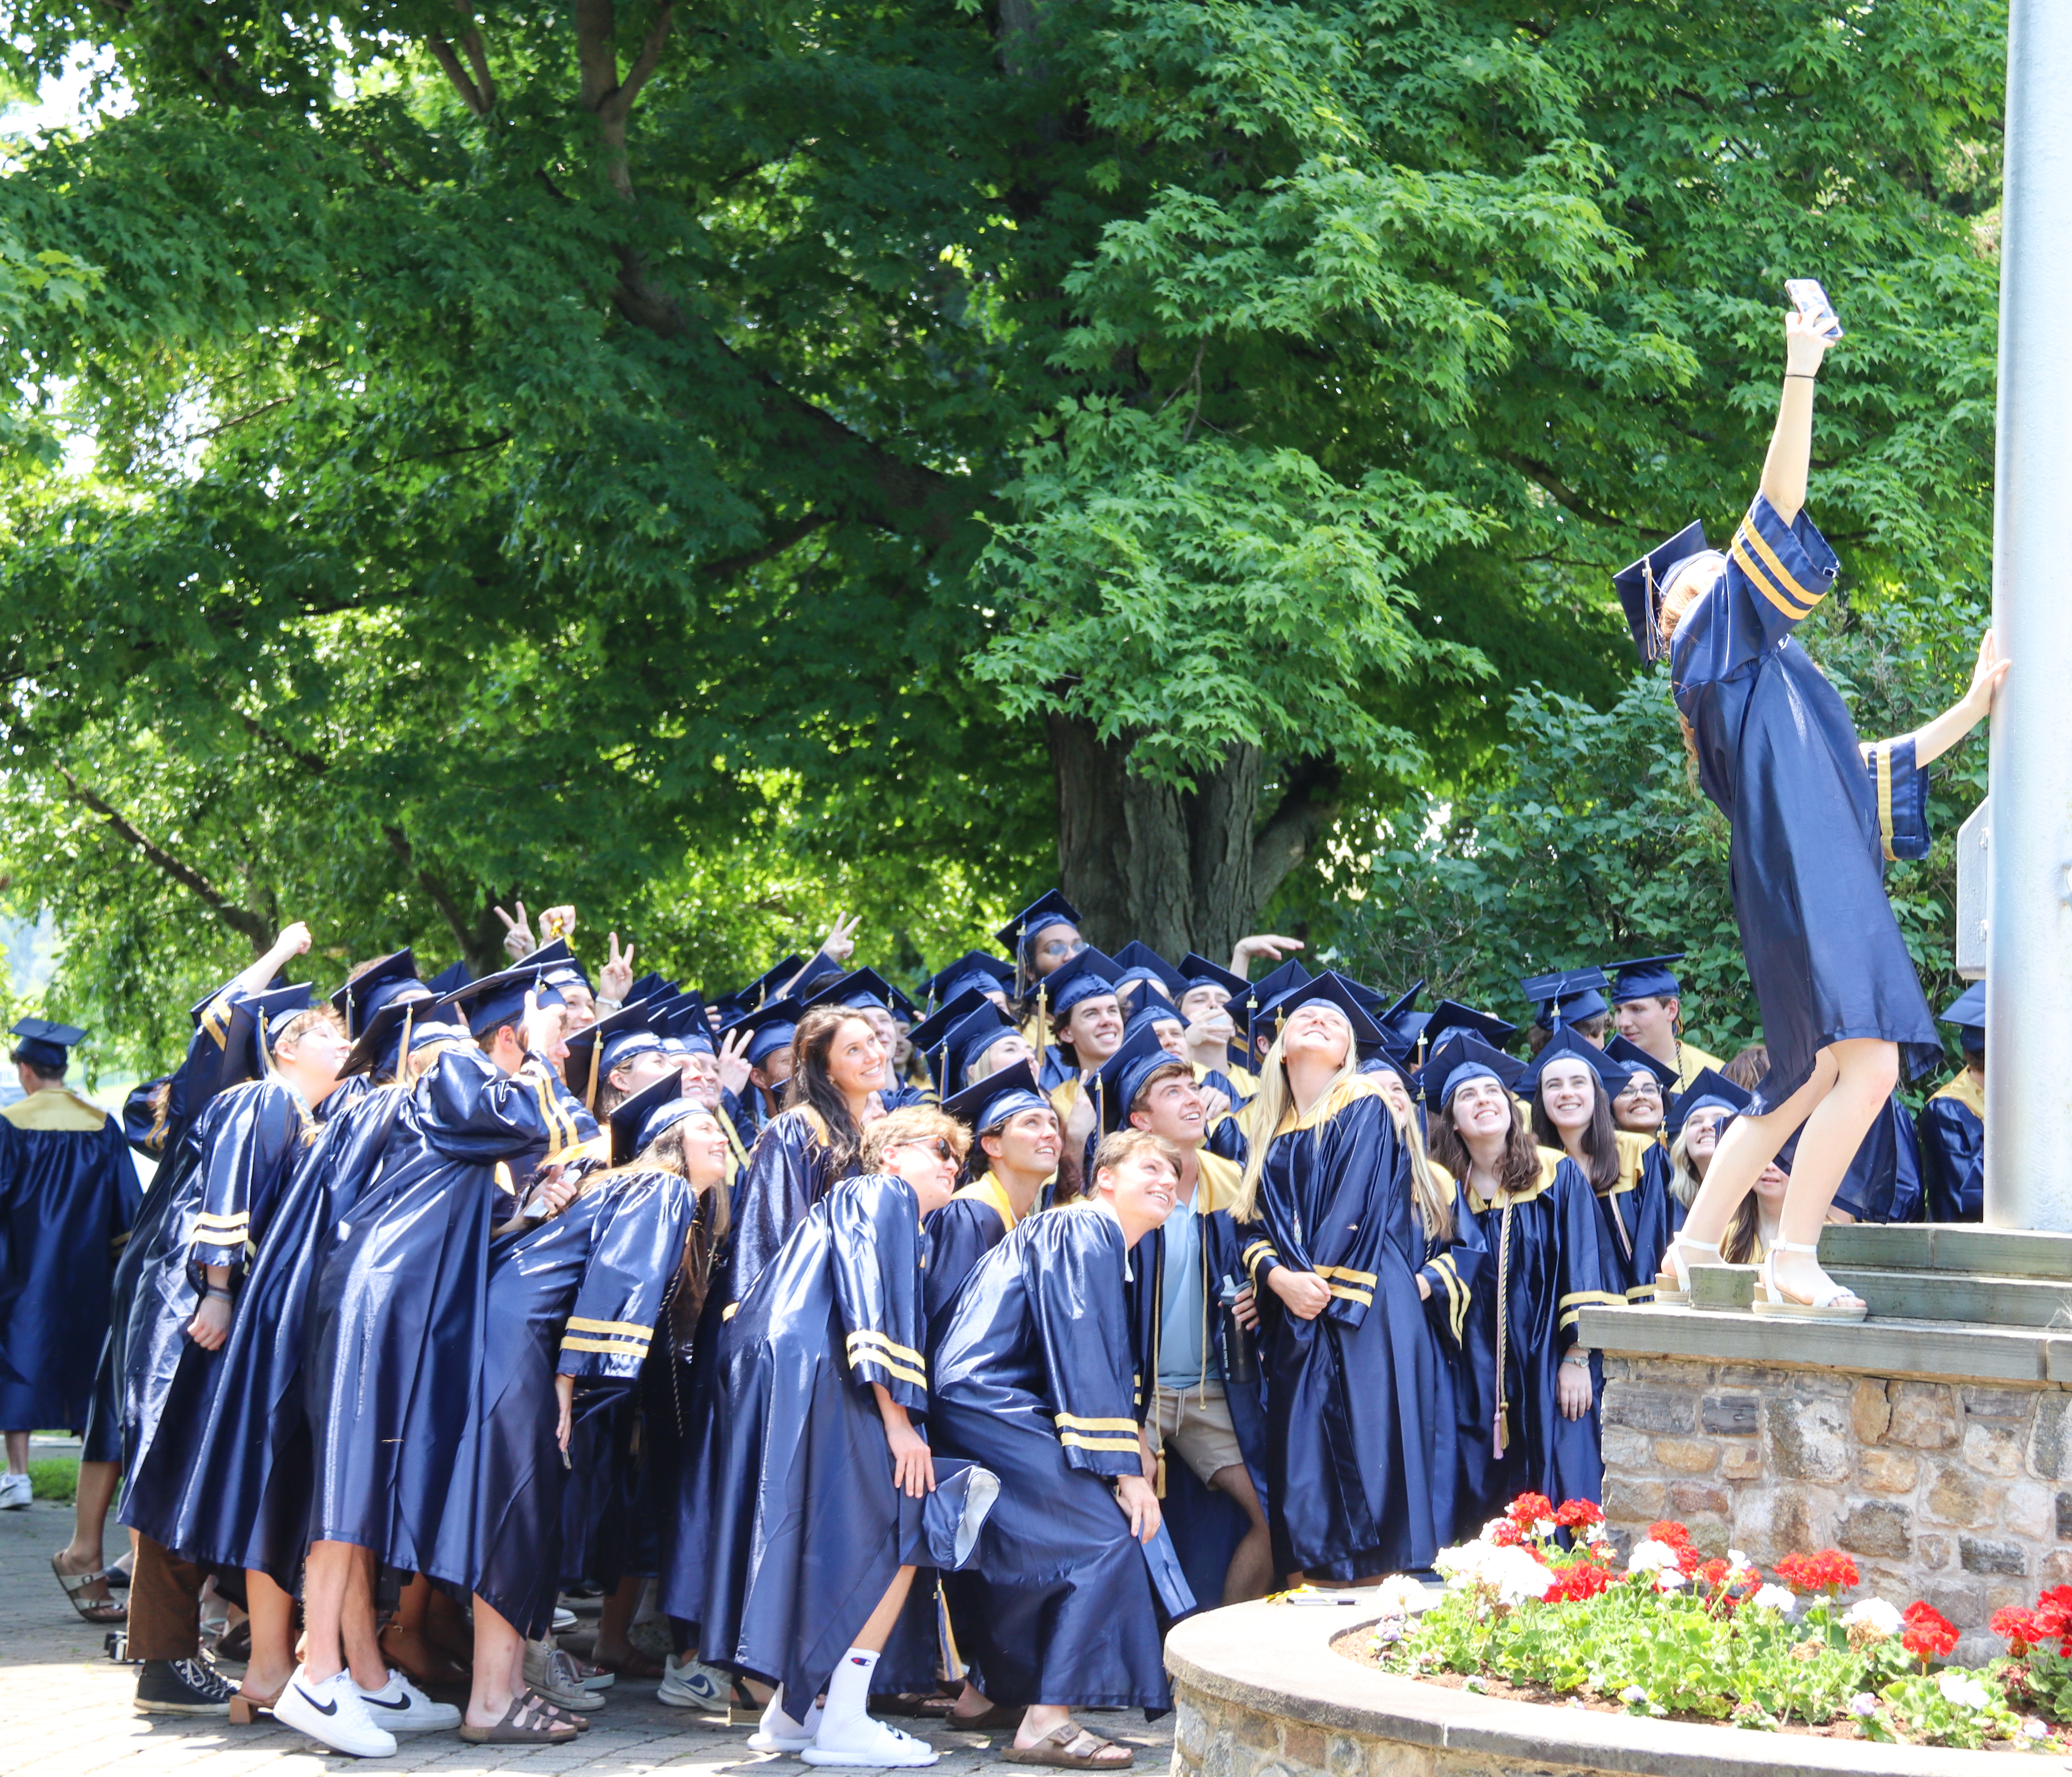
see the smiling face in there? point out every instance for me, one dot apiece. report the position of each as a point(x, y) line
point(579, 1003)
point(1094, 1028)
point(1770, 1185)
point(704, 1150)
point(1141, 1187)
point(1569, 1093)
point(1004, 1051)
point(1171, 1107)
point(643, 1070)
point(1395, 1094)
point(1028, 1143)
point(856, 1058)
point(928, 1163)
point(1701, 1136)
point(886, 1026)
point(700, 1073)
point(1206, 1011)
point(1640, 1106)
point(1317, 1033)
point(1481, 1109)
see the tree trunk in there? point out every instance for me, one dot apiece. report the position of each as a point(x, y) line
point(1181, 870)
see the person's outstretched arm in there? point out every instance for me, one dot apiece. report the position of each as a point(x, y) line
point(1791, 444)
point(1933, 739)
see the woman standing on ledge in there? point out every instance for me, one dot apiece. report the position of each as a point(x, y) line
point(1815, 813)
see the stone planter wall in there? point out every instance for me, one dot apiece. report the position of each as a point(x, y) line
point(1960, 1493)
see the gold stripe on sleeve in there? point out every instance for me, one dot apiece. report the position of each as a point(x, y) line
point(1078, 1424)
point(1072, 1440)
point(574, 1342)
point(579, 1324)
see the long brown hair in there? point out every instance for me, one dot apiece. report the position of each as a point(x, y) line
point(812, 1087)
point(1519, 1169)
point(1601, 1155)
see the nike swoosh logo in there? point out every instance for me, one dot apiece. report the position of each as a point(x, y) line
point(382, 1702)
point(322, 1708)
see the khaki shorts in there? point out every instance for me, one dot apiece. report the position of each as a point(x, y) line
point(1196, 1423)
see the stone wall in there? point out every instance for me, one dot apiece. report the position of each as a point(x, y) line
point(1213, 1738)
point(1959, 1493)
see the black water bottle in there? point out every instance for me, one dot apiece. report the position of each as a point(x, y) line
point(1239, 1355)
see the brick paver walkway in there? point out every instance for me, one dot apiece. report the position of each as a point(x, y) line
point(65, 1710)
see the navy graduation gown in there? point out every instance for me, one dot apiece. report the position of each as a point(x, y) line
point(231, 1488)
point(1953, 1151)
point(1035, 1378)
point(789, 1171)
point(1351, 1394)
point(1814, 812)
point(808, 1529)
point(1884, 1181)
point(396, 1312)
point(252, 1139)
point(1540, 1268)
point(69, 1195)
point(1634, 1219)
point(960, 1234)
point(577, 1295)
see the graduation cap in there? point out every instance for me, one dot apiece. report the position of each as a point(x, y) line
point(929, 1035)
point(1401, 1007)
point(1245, 1007)
point(497, 999)
point(447, 979)
point(984, 1105)
point(1150, 1017)
point(1634, 1060)
point(652, 986)
point(816, 972)
point(1967, 1011)
point(770, 1028)
point(1200, 972)
point(973, 969)
point(862, 988)
point(1644, 977)
point(1567, 1045)
point(751, 997)
point(1640, 586)
point(1464, 1055)
point(378, 1048)
point(248, 1046)
point(1018, 934)
point(375, 985)
point(1567, 994)
point(556, 965)
point(968, 1040)
point(1710, 1089)
point(1138, 963)
point(45, 1046)
point(1122, 1076)
point(1333, 990)
point(597, 1048)
point(1451, 1014)
point(628, 1124)
point(684, 1020)
point(1085, 975)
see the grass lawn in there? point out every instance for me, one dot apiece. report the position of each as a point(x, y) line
point(55, 1478)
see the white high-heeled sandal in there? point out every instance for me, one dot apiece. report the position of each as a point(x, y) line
point(1825, 1304)
point(1673, 1266)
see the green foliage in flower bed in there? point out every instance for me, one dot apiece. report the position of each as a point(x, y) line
point(1671, 1632)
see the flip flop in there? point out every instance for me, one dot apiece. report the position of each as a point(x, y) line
point(103, 1611)
point(1070, 1747)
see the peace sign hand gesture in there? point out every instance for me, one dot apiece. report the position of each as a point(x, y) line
point(517, 933)
point(616, 977)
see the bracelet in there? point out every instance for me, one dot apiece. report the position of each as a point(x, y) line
point(1802, 375)
point(1581, 1360)
point(214, 1294)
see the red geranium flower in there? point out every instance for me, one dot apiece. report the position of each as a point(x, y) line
point(1576, 1513)
point(1506, 1535)
point(1528, 1509)
point(2019, 1629)
point(1714, 1572)
point(1829, 1571)
point(1573, 1584)
point(1930, 1635)
point(1668, 1530)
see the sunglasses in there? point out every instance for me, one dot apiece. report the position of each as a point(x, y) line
point(940, 1144)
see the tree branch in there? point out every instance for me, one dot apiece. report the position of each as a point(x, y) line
point(781, 539)
point(1310, 802)
point(310, 762)
point(597, 59)
point(645, 63)
point(239, 919)
point(435, 891)
point(470, 95)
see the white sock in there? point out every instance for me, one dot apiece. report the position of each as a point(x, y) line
point(848, 1693)
point(779, 1724)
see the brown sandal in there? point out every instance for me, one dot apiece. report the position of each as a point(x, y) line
point(245, 1709)
point(529, 1722)
point(993, 1716)
point(1063, 1748)
point(100, 1612)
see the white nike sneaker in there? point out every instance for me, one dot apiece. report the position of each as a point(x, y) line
point(16, 1490)
point(334, 1713)
point(401, 1708)
point(868, 1743)
point(691, 1685)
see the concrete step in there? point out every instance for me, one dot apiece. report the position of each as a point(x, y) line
point(1976, 1299)
point(1948, 1246)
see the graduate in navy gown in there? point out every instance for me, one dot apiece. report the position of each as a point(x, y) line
point(822, 1476)
point(1952, 1122)
point(1016, 1142)
point(67, 1197)
point(1528, 1390)
point(572, 1299)
point(1332, 1236)
point(1037, 1379)
point(397, 1321)
point(1815, 813)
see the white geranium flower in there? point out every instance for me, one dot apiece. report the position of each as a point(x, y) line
point(1650, 1556)
point(1544, 1527)
point(1736, 1558)
point(1962, 1689)
point(1876, 1613)
point(1670, 1579)
point(2033, 1728)
point(1775, 1598)
point(1399, 1595)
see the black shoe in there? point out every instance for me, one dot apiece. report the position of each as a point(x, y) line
point(183, 1687)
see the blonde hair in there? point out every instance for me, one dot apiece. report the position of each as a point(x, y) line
point(1688, 582)
point(911, 1124)
point(1120, 1145)
point(1275, 1104)
point(1434, 1204)
point(311, 1018)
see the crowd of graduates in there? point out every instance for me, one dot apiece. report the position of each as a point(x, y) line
point(936, 1348)
point(930, 1352)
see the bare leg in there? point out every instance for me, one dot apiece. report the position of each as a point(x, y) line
point(326, 1577)
point(872, 1637)
point(1748, 1145)
point(362, 1647)
point(89, 1519)
point(1869, 1070)
point(499, 1667)
point(18, 1453)
point(1250, 1575)
point(272, 1613)
point(614, 1619)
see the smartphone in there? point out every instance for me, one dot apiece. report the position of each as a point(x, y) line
point(1806, 296)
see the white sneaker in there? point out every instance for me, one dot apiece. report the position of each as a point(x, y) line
point(564, 1623)
point(334, 1713)
point(401, 1708)
point(16, 1490)
point(868, 1742)
point(691, 1686)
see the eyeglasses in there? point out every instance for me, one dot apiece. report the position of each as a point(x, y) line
point(940, 1144)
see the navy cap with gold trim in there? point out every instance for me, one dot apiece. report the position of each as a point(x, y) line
point(1639, 586)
